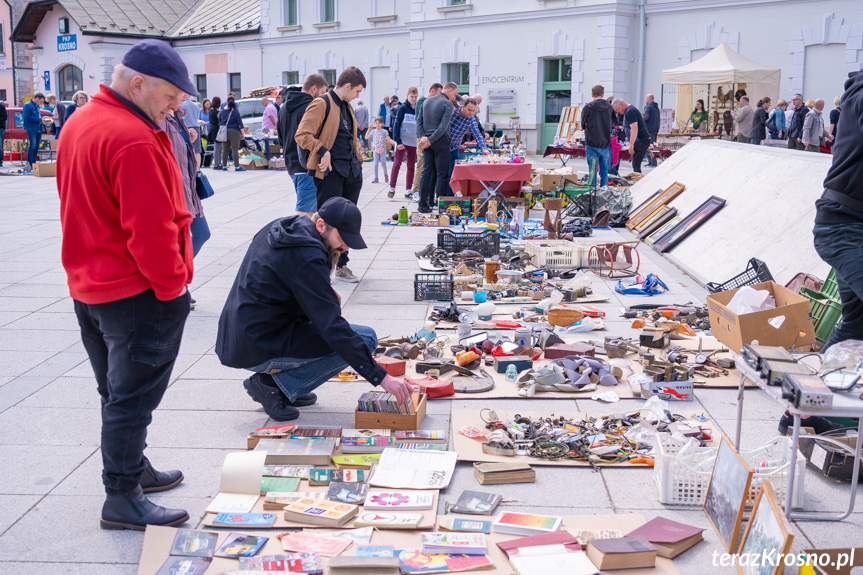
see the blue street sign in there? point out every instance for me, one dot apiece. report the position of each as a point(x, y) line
point(67, 43)
point(47, 81)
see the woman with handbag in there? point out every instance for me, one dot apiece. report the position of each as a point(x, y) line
point(213, 131)
point(181, 141)
point(230, 134)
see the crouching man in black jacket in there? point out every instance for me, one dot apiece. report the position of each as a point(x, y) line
point(283, 319)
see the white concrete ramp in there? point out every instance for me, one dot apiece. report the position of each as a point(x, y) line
point(769, 214)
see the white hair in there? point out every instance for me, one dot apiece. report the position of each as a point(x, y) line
point(123, 75)
point(617, 102)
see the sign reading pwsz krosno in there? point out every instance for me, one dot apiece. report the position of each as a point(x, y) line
point(67, 43)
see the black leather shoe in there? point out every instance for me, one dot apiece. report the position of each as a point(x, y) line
point(819, 425)
point(134, 511)
point(424, 210)
point(153, 481)
point(303, 400)
point(275, 403)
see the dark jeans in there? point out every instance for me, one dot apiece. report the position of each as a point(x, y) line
point(2, 139)
point(841, 246)
point(795, 144)
point(132, 344)
point(334, 185)
point(435, 177)
point(35, 137)
point(638, 151)
point(755, 142)
point(453, 156)
point(200, 233)
point(298, 376)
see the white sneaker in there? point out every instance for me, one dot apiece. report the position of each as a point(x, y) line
point(345, 274)
point(391, 193)
point(415, 197)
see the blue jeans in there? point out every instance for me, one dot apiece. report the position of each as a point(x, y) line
point(841, 246)
point(35, 137)
point(296, 377)
point(453, 156)
point(200, 233)
point(603, 162)
point(307, 193)
point(132, 344)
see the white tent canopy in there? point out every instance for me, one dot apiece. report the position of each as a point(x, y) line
point(722, 65)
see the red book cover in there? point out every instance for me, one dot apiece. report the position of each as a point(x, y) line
point(555, 538)
point(662, 530)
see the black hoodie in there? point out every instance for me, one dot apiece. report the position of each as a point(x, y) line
point(290, 114)
point(845, 175)
point(282, 304)
point(596, 123)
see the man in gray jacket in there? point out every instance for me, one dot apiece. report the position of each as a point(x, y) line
point(361, 113)
point(743, 118)
point(814, 132)
point(433, 136)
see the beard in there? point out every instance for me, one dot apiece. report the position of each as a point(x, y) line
point(334, 253)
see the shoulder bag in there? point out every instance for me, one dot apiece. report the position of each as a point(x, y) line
point(222, 134)
point(203, 187)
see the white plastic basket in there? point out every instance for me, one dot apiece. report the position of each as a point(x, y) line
point(584, 245)
point(681, 484)
point(554, 253)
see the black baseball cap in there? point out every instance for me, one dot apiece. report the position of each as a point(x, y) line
point(158, 59)
point(345, 216)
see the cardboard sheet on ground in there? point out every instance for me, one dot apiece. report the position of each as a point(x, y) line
point(471, 449)
point(427, 521)
point(157, 543)
point(708, 344)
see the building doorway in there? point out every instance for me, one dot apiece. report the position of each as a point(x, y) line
point(69, 80)
point(556, 95)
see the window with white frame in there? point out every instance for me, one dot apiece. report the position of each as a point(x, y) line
point(383, 8)
point(2, 41)
point(292, 15)
point(290, 78)
point(328, 11)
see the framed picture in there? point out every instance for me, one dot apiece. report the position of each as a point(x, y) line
point(649, 225)
point(768, 534)
point(726, 495)
point(689, 224)
point(662, 230)
point(651, 218)
point(659, 198)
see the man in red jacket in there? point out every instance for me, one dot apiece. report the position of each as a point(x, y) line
point(127, 252)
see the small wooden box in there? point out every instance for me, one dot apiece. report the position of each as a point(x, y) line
point(395, 367)
point(392, 421)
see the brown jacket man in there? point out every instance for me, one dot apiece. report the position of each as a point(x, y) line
point(311, 123)
point(328, 131)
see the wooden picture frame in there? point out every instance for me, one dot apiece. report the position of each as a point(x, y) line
point(727, 494)
point(689, 224)
point(651, 217)
point(662, 230)
point(659, 198)
point(666, 214)
point(767, 532)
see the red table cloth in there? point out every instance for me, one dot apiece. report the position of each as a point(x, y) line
point(467, 178)
point(581, 153)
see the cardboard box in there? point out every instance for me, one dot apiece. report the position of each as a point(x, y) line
point(277, 164)
point(392, 421)
point(52, 143)
point(734, 330)
point(550, 182)
point(669, 390)
point(12, 145)
point(45, 169)
point(253, 164)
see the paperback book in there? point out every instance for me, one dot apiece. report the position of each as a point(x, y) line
point(354, 493)
point(241, 545)
point(475, 503)
point(466, 525)
point(244, 519)
point(309, 563)
point(366, 444)
point(400, 500)
point(320, 512)
point(193, 543)
point(366, 433)
point(415, 561)
point(326, 476)
point(174, 565)
point(280, 499)
point(375, 551)
point(319, 432)
point(409, 469)
point(284, 484)
point(525, 523)
point(285, 430)
point(383, 519)
point(297, 450)
point(298, 471)
point(309, 542)
point(466, 543)
point(422, 436)
point(356, 461)
point(240, 486)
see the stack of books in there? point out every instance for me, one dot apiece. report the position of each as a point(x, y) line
point(499, 473)
point(320, 512)
point(622, 553)
point(366, 444)
point(466, 543)
point(383, 402)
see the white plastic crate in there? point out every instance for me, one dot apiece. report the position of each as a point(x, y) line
point(554, 253)
point(584, 245)
point(681, 484)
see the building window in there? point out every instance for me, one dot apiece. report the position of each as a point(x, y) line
point(329, 76)
point(328, 10)
point(460, 74)
point(290, 78)
point(64, 25)
point(69, 80)
point(234, 84)
point(201, 85)
point(291, 14)
point(457, 2)
point(2, 44)
point(3, 95)
point(558, 70)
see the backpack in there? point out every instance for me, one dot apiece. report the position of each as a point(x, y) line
point(302, 152)
point(771, 121)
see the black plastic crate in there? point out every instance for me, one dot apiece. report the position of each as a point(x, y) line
point(756, 272)
point(438, 287)
point(487, 243)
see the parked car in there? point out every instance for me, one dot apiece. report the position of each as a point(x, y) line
point(252, 111)
point(15, 124)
